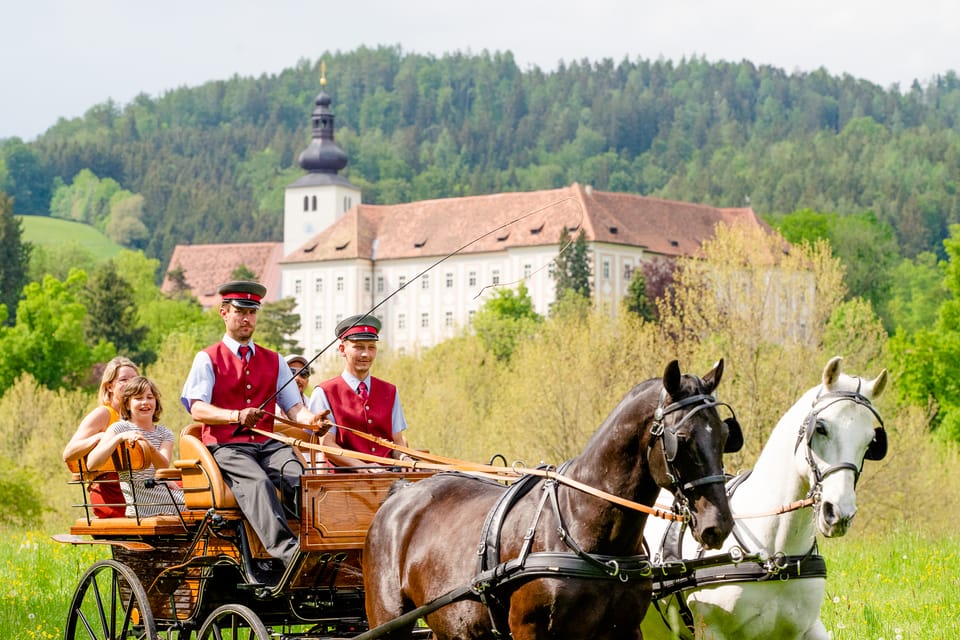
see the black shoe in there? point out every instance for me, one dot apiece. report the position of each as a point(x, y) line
point(265, 572)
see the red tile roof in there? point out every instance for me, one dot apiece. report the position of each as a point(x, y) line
point(497, 222)
point(207, 266)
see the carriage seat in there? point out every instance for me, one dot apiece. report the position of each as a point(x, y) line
point(128, 456)
point(203, 484)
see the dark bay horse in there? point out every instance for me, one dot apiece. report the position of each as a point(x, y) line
point(430, 538)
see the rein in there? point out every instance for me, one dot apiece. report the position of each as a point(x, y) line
point(451, 464)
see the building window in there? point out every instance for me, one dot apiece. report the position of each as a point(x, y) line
point(425, 281)
point(317, 323)
point(339, 283)
point(402, 282)
point(339, 318)
point(448, 319)
point(495, 276)
point(347, 203)
point(425, 320)
point(606, 269)
point(472, 279)
point(470, 315)
point(366, 283)
point(449, 280)
point(527, 270)
point(379, 284)
point(298, 286)
point(318, 285)
point(401, 321)
point(306, 203)
point(314, 203)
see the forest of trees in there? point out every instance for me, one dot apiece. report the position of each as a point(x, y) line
point(208, 163)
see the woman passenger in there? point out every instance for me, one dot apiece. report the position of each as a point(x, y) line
point(105, 493)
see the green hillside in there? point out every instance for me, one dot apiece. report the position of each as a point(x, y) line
point(54, 232)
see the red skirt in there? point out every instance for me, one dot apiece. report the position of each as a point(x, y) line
point(106, 497)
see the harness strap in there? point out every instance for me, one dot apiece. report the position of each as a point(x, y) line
point(489, 551)
point(779, 568)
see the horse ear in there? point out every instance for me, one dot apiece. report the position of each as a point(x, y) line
point(734, 436)
point(712, 377)
point(831, 372)
point(878, 384)
point(671, 378)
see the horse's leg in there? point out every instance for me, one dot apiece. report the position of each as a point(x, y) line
point(817, 632)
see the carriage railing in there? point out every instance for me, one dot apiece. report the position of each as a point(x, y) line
point(125, 459)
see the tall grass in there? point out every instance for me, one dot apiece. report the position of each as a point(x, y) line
point(894, 586)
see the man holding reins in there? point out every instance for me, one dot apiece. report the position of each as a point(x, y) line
point(233, 386)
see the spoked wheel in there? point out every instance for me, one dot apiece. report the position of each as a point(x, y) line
point(110, 604)
point(233, 622)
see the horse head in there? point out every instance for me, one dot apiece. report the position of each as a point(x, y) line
point(687, 442)
point(841, 430)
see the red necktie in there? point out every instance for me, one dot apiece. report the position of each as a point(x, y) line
point(244, 350)
point(362, 391)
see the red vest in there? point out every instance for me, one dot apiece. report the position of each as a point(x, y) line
point(373, 418)
point(238, 385)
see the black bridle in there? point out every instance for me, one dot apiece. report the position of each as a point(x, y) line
point(875, 451)
point(668, 439)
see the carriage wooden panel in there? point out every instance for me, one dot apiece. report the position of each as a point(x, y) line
point(338, 508)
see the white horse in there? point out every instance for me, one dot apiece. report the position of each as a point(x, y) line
point(815, 453)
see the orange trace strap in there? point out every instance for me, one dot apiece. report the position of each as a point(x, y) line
point(452, 464)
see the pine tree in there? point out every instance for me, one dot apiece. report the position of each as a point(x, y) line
point(112, 314)
point(277, 322)
point(14, 259)
point(571, 269)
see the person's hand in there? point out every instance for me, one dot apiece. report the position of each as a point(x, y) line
point(250, 416)
point(321, 422)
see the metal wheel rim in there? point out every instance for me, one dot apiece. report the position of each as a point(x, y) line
point(110, 604)
point(233, 622)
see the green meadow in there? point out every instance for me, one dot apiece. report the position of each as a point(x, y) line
point(55, 232)
point(894, 586)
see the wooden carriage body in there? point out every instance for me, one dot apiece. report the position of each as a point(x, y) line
point(189, 574)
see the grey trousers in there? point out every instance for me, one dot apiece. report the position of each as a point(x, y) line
point(253, 472)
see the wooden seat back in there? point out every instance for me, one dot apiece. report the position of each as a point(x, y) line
point(203, 485)
point(128, 456)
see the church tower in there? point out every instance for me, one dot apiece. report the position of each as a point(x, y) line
point(316, 200)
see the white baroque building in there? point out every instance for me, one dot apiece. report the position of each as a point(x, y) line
point(425, 267)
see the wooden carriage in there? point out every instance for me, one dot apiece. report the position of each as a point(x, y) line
point(203, 572)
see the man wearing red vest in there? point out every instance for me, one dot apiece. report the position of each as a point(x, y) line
point(233, 385)
point(358, 400)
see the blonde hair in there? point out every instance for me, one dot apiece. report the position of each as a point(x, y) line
point(135, 388)
point(110, 373)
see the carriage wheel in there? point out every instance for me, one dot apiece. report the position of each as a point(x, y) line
point(233, 622)
point(110, 604)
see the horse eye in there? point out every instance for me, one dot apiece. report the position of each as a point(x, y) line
point(821, 428)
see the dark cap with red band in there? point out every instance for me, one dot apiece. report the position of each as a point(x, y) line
point(360, 327)
point(243, 293)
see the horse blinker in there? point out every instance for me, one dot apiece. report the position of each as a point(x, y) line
point(877, 449)
point(734, 436)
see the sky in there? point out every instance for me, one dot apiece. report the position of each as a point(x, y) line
point(58, 58)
